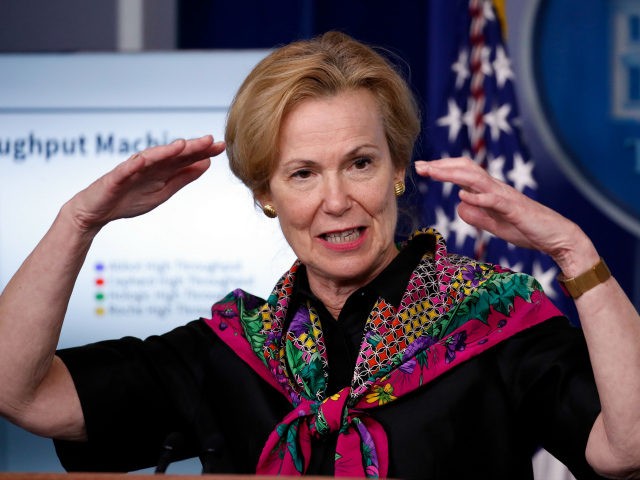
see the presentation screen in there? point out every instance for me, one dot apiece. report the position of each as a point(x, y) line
point(66, 119)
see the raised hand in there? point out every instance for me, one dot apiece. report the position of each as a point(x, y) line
point(143, 182)
point(37, 390)
point(492, 205)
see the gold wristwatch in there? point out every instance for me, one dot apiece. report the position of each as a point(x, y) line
point(576, 286)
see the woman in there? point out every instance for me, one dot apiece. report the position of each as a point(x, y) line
point(367, 359)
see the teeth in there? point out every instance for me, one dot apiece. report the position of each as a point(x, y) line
point(343, 237)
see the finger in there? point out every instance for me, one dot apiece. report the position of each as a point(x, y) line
point(188, 165)
point(163, 160)
point(464, 174)
point(461, 171)
point(477, 217)
point(160, 152)
point(186, 176)
point(185, 151)
point(139, 161)
point(500, 200)
point(147, 192)
point(484, 220)
point(477, 187)
point(423, 166)
point(202, 147)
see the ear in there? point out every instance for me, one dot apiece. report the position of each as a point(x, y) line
point(400, 174)
point(263, 199)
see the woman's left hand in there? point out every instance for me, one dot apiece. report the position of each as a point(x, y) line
point(609, 320)
point(492, 205)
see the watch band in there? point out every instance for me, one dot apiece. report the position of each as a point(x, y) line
point(579, 284)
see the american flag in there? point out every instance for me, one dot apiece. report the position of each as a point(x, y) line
point(471, 110)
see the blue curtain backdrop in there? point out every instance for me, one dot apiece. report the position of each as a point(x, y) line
point(419, 34)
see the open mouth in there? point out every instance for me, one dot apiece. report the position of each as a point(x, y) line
point(345, 236)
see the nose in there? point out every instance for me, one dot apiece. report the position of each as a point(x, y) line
point(335, 195)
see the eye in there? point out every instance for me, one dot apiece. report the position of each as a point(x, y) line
point(302, 173)
point(362, 163)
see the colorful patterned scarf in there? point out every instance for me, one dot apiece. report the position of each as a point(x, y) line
point(453, 309)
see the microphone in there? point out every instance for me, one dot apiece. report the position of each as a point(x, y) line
point(211, 452)
point(172, 444)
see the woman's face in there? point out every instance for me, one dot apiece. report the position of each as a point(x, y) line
point(333, 188)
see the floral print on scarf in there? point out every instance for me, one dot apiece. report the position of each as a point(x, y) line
point(453, 309)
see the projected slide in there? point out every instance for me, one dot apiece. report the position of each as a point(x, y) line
point(67, 119)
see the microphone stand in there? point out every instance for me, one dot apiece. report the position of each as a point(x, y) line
point(172, 444)
point(211, 452)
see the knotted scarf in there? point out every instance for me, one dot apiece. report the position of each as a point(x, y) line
point(453, 309)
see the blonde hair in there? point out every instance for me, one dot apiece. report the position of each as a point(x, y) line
point(308, 69)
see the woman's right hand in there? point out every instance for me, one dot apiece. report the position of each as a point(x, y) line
point(37, 390)
point(142, 182)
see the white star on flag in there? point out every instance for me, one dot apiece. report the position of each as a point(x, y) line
point(461, 67)
point(469, 118)
point(516, 267)
point(502, 67)
point(485, 61)
point(453, 119)
point(487, 11)
point(546, 278)
point(447, 188)
point(442, 222)
point(462, 230)
point(522, 174)
point(497, 120)
point(495, 167)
